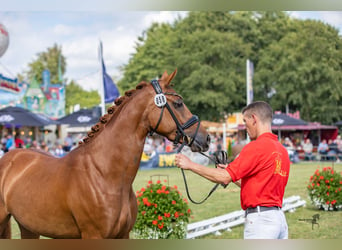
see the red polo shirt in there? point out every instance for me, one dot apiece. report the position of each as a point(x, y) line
point(263, 166)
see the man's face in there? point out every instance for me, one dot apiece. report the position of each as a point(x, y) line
point(249, 120)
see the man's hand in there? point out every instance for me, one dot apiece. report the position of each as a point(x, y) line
point(183, 161)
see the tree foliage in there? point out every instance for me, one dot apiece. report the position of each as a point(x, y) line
point(49, 60)
point(298, 59)
point(77, 95)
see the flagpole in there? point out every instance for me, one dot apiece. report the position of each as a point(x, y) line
point(102, 95)
point(248, 101)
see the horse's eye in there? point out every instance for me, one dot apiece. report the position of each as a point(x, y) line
point(178, 104)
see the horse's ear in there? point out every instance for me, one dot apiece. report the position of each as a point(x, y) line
point(170, 77)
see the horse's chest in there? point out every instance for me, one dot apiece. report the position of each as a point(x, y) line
point(112, 215)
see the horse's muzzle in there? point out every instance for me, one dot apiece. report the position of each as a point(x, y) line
point(200, 143)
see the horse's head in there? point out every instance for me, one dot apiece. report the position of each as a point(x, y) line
point(176, 123)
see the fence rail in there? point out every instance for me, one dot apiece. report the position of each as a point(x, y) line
point(227, 221)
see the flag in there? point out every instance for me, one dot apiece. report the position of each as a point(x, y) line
point(111, 92)
point(250, 73)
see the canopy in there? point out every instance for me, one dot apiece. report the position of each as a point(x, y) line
point(17, 116)
point(285, 121)
point(81, 118)
point(339, 123)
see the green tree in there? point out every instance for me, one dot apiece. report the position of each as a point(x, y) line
point(299, 59)
point(50, 60)
point(77, 95)
point(304, 68)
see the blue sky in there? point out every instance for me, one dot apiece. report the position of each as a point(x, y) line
point(79, 33)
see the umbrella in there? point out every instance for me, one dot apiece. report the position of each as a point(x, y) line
point(281, 120)
point(81, 118)
point(339, 123)
point(17, 116)
point(284, 122)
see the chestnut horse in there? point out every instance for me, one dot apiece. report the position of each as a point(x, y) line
point(88, 193)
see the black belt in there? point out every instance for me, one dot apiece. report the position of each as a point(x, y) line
point(260, 209)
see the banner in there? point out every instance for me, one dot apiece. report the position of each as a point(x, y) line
point(158, 160)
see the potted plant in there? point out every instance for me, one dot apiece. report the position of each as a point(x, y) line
point(325, 189)
point(162, 212)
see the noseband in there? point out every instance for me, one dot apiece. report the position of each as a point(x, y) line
point(161, 101)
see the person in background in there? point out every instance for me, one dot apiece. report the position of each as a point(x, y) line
point(261, 170)
point(332, 153)
point(323, 149)
point(9, 143)
point(68, 141)
point(19, 143)
point(307, 148)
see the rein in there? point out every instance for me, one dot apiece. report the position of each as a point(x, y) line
point(161, 101)
point(220, 158)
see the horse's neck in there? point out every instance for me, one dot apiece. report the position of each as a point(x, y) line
point(118, 147)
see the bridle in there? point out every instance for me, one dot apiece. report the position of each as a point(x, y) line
point(161, 101)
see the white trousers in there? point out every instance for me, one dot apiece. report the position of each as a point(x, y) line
point(266, 225)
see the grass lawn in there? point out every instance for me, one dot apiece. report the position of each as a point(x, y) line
point(227, 200)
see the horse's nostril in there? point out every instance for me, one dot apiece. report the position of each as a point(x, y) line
point(208, 139)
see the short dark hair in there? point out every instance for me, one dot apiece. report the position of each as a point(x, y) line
point(262, 109)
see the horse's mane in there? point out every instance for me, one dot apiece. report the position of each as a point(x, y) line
point(111, 112)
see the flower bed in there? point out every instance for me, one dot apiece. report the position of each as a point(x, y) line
point(162, 213)
point(325, 189)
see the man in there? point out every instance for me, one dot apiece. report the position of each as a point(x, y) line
point(308, 148)
point(261, 170)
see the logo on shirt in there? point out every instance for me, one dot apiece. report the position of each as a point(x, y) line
point(277, 163)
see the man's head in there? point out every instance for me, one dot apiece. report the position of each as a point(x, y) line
point(258, 118)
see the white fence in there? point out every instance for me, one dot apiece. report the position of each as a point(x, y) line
point(227, 221)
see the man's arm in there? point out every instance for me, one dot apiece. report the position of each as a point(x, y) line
point(217, 175)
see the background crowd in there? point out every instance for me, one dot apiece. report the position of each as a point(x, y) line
point(58, 148)
point(327, 150)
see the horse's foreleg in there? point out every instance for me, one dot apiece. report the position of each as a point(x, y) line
point(5, 227)
point(27, 234)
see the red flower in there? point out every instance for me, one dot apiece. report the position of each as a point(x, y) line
point(158, 181)
point(189, 211)
point(326, 181)
point(154, 222)
point(173, 202)
point(328, 202)
point(321, 177)
point(149, 182)
point(142, 189)
point(160, 226)
point(160, 217)
point(328, 193)
point(175, 187)
point(176, 214)
point(143, 212)
point(167, 215)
